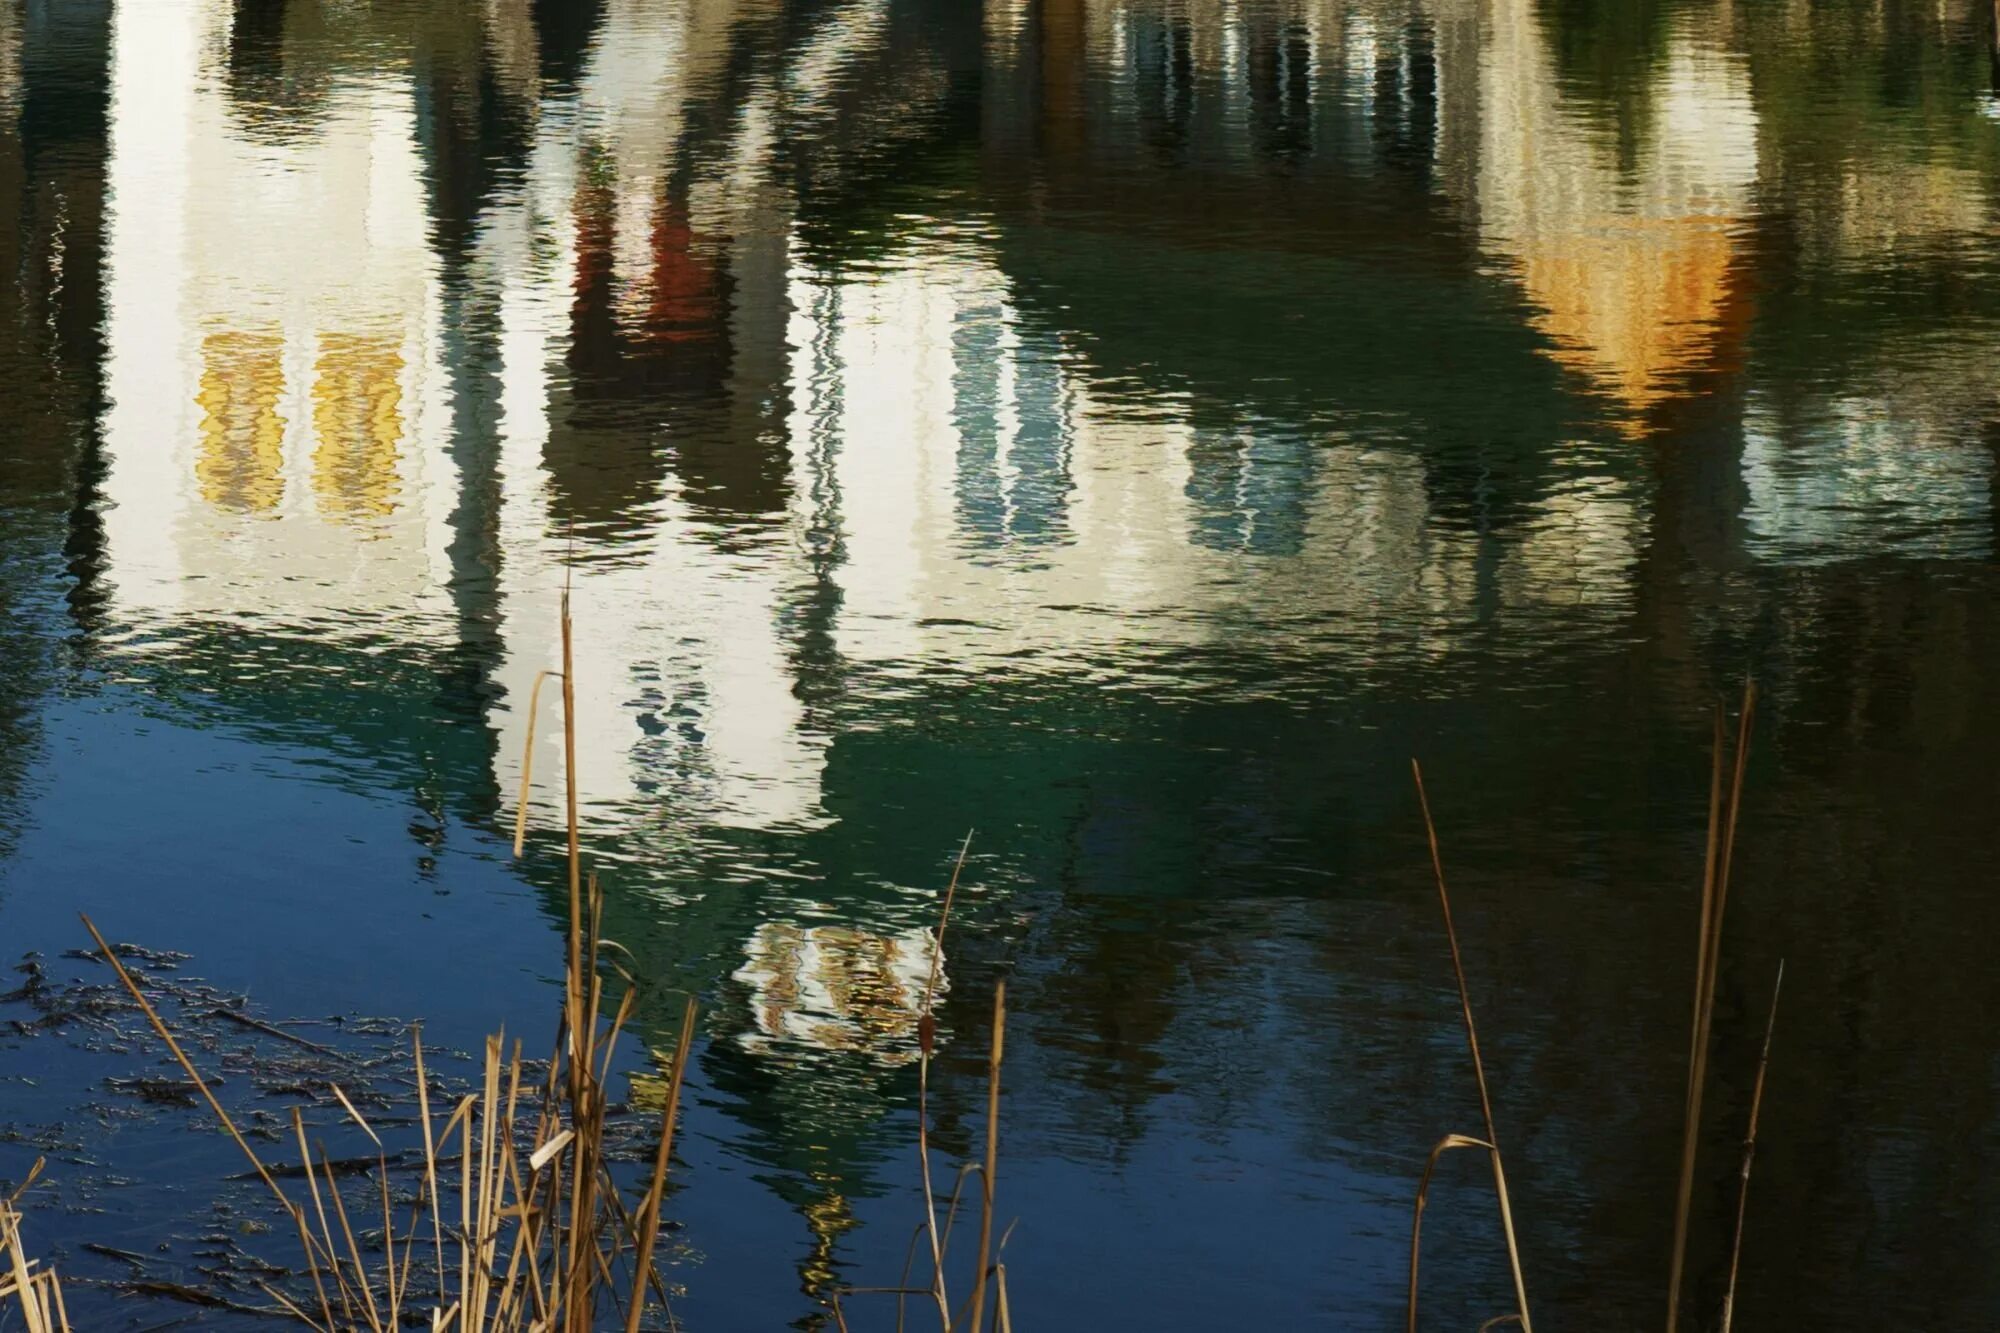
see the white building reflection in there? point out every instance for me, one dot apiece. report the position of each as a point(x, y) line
point(836, 988)
point(276, 423)
point(1858, 478)
point(747, 456)
point(280, 422)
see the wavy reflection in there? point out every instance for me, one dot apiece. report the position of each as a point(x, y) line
point(1125, 427)
point(1631, 265)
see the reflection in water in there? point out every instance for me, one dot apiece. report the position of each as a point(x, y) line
point(242, 434)
point(1127, 427)
point(835, 988)
point(1865, 481)
point(1631, 266)
point(273, 352)
point(357, 412)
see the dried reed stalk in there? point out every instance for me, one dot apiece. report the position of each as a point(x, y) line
point(38, 1295)
point(649, 1208)
point(1444, 1145)
point(1478, 1066)
point(926, 1040)
point(528, 762)
point(1714, 898)
point(1750, 1152)
point(986, 1176)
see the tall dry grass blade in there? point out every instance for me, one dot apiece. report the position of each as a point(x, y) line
point(574, 978)
point(965, 1172)
point(355, 1115)
point(430, 1158)
point(389, 1243)
point(610, 1043)
point(401, 1277)
point(1710, 863)
point(978, 1320)
point(333, 1257)
point(279, 1297)
point(464, 1302)
point(1750, 1152)
point(27, 1182)
point(61, 1316)
point(1444, 1145)
point(649, 1208)
point(24, 1282)
point(528, 1240)
point(582, 1259)
point(353, 1248)
point(1715, 897)
point(910, 1258)
point(1684, 1189)
point(944, 919)
point(1005, 1319)
point(926, 1040)
point(1472, 1045)
point(503, 1173)
point(528, 762)
point(483, 1190)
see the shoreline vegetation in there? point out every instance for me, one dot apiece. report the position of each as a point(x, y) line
point(524, 1216)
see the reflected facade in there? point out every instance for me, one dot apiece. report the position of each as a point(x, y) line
point(1126, 427)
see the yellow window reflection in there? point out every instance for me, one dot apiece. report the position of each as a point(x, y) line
point(239, 463)
point(358, 419)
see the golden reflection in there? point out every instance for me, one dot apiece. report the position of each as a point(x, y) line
point(1635, 305)
point(357, 415)
point(1629, 263)
point(240, 460)
point(828, 1216)
point(837, 988)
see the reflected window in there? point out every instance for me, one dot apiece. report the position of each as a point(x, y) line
point(1281, 83)
point(240, 461)
point(1250, 492)
point(1406, 106)
point(358, 417)
point(1012, 412)
point(1163, 81)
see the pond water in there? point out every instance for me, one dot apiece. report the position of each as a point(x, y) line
point(1129, 430)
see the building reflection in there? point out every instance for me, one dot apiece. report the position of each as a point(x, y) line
point(410, 326)
point(835, 988)
point(1631, 265)
point(274, 360)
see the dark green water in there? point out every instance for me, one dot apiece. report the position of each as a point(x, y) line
point(1130, 431)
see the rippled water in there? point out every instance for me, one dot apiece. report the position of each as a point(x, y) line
point(1129, 429)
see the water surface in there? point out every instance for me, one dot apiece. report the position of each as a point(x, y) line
point(1130, 430)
